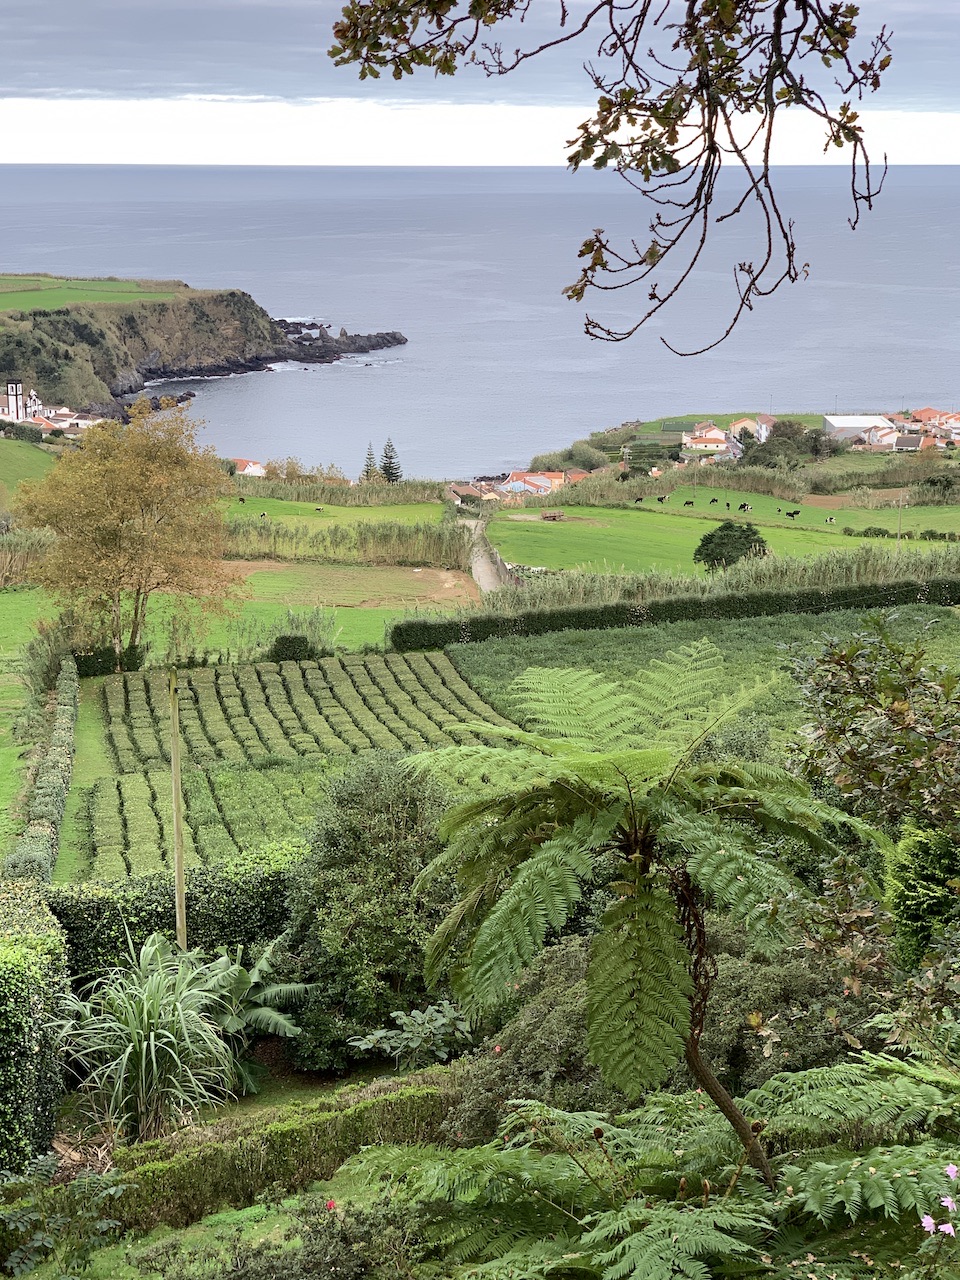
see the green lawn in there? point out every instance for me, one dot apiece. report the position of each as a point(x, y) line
point(48, 293)
point(665, 536)
point(20, 461)
point(281, 510)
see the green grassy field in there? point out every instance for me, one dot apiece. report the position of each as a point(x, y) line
point(665, 536)
point(305, 513)
point(20, 461)
point(49, 293)
point(686, 420)
point(752, 650)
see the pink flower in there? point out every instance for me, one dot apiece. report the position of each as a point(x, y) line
point(952, 1172)
point(497, 1049)
point(331, 1204)
point(949, 1203)
point(928, 1224)
point(947, 1229)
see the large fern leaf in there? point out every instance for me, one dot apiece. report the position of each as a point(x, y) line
point(885, 1182)
point(638, 989)
point(667, 1242)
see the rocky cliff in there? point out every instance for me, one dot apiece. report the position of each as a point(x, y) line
point(88, 355)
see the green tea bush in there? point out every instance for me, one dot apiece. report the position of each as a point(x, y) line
point(356, 930)
point(32, 978)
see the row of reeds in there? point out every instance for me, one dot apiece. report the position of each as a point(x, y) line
point(444, 545)
point(873, 563)
point(19, 551)
point(343, 495)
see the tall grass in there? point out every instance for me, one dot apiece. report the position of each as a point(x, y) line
point(343, 495)
point(445, 545)
point(897, 472)
point(20, 549)
point(871, 563)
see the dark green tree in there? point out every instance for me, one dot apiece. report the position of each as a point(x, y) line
point(370, 469)
point(604, 787)
point(390, 463)
point(683, 88)
point(728, 543)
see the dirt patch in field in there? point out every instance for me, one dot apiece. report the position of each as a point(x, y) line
point(567, 519)
point(339, 585)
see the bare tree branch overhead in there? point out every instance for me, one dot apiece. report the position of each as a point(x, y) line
point(683, 88)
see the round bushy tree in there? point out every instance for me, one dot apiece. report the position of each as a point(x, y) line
point(728, 543)
point(358, 933)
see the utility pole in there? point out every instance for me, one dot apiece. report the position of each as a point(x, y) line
point(180, 888)
point(899, 518)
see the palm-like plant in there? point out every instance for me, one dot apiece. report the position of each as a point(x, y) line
point(145, 1042)
point(605, 786)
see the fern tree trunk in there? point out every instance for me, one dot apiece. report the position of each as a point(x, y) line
point(703, 970)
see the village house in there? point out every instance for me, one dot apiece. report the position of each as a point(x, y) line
point(247, 467)
point(17, 407)
point(705, 435)
point(539, 482)
point(862, 430)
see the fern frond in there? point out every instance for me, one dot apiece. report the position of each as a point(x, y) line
point(541, 896)
point(577, 704)
point(639, 988)
point(884, 1182)
point(667, 1242)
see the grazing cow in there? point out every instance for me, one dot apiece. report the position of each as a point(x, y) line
point(636, 500)
point(263, 515)
point(663, 499)
point(743, 507)
point(241, 500)
point(778, 511)
point(688, 504)
point(713, 502)
point(792, 515)
point(728, 506)
point(318, 508)
point(830, 520)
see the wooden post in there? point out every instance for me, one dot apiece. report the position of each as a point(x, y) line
point(177, 795)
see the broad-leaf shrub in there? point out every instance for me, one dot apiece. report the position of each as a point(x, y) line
point(32, 980)
point(420, 1036)
point(357, 932)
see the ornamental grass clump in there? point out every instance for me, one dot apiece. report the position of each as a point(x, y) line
point(145, 1045)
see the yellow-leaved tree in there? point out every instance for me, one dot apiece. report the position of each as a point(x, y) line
point(135, 513)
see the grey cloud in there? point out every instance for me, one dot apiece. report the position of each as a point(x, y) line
point(277, 48)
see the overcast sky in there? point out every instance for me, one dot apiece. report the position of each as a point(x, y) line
point(75, 59)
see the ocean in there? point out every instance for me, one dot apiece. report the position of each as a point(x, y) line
point(469, 264)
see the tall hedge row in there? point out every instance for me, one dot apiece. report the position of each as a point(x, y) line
point(436, 633)
point(32, 976)
point(35, 851)
point(178, 1182)
point(227, 905)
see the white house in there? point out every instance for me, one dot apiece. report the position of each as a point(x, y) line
point(704, 436)
point(247, 467)
point(848, 426)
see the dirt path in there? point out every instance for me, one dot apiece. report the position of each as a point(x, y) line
point(482, 565)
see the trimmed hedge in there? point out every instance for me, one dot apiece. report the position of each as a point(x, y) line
point(411, 634)
point(179, 1180)
point(32, 976)
point(228, 904)
point(34, 853)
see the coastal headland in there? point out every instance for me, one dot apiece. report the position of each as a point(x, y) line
point(88, 343)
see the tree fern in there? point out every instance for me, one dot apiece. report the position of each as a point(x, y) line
point(667, 1242)
point(615, 791)
point(885, 1182)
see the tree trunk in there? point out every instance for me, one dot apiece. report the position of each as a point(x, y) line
point(711, 1086)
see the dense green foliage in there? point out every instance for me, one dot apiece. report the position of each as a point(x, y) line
point(35, 851)
point(32, 980)
point(234, 1162)
point(240, 902)
point(413, 634)
point(922, 880)
point(445, 545)
point(604, 783)
point(357, 933)
point(728, 543)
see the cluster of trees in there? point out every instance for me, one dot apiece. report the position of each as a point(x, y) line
point(388, 469)
point(791, 444)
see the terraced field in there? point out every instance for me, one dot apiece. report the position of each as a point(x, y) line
point(258, 744)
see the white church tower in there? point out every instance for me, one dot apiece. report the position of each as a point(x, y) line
point(15, 400)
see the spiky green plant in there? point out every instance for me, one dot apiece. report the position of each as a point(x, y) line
point(604, 785)
point(145, 1043)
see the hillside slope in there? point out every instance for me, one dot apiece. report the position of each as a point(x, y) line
point(87, 354)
